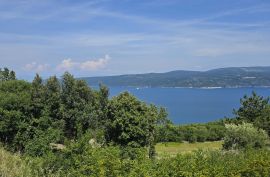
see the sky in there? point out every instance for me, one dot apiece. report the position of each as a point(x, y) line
point(111, 37)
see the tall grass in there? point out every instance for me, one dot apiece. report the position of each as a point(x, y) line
point(11, 165)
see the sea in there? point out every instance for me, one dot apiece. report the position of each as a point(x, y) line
point(193, 105)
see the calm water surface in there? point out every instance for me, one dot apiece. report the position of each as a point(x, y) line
point(192, 105)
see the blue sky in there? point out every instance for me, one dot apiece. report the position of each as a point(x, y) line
point(109, 37)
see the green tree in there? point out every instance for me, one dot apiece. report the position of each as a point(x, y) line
point(6, 75)
point(53, 98)
point(9, 125)
point(251, 107)
point(263, 121)
point(76, 99)
point(131, 123)
point(15, 113)
point(37, 96)
point(84, 102)
point(69, 100)
point(103, 97)
point(12, 75)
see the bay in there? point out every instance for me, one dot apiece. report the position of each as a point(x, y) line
point(193, 105)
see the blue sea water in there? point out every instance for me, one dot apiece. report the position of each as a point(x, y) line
point(193, 105)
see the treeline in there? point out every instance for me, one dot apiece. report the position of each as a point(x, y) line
point(35, 115)
point(213, 131)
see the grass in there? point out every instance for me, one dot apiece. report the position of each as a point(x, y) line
point(173, 148)
point(11, 165)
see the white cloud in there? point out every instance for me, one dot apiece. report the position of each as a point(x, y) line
point(36, 67)
point(89, 65)
point(95, 64)
point(66, 64)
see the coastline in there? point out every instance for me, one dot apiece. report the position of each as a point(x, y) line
point(215, 87)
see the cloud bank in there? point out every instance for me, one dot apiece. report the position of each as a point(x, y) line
point(89, 65)
point(69, 64)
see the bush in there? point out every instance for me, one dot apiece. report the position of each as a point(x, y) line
point(215, 164)
point(78, 160)
point(244, 136)
point(40, 144)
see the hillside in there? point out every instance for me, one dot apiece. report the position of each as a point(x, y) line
point(222, 77)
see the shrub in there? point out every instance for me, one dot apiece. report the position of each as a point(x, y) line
point(40, 144)
point(244, 136)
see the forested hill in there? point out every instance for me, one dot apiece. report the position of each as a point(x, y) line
point(223, 77)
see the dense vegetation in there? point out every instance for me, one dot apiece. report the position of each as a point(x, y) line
point(224, 77)
point(64, 128)
point(33, 115)
point(109, 162)
point(212, 131)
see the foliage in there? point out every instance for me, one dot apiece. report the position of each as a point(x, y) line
point(254, 109)
point(33, 115)
point(108, 162)
point(6, 75)
point(251, 107)
point(40, 144)
point(212, 131)
point(68, 113)
point(216, 163)
point(263, 121)
point(244, 136)
point(130, 121)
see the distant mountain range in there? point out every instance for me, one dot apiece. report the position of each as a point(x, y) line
point(222, 77)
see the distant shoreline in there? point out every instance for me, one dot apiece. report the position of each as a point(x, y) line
point(145, 87)
point(237, 77)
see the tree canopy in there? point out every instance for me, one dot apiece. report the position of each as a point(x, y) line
point(33, 115)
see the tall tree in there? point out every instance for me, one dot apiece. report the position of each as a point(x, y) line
point(53, 110)
point(53, 98)
point(37, 96)
point(15, 113)
point(12, 75)
point(103, 100)
point(69, 98)
point(83, 106)
point(5, 74)
point(132, 123)
point(76, 96)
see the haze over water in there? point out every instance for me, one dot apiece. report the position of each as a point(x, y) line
point(193, 105)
